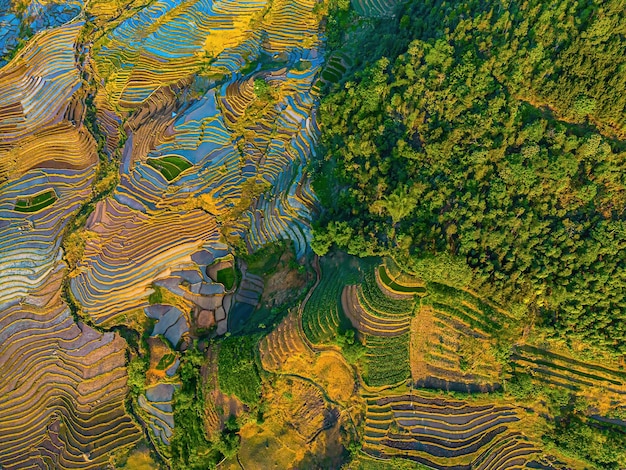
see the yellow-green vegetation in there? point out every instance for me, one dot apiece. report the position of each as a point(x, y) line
point(106, 179)
point(139, 460)
point(74, 246)
point(190, 446)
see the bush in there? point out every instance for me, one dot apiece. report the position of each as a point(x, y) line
point(521, 386)
point(605, 447)
point(137, 368)
point(237, 370)
point(191, 449)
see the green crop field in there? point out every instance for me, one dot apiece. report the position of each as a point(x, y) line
point(37, 202)
point(227, 277)
point(170, 166)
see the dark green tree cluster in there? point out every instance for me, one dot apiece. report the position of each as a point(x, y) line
point(601, 445)
point(238, 373)
point(190, 446)
point(490, 131)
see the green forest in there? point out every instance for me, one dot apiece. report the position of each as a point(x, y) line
point(489, 134)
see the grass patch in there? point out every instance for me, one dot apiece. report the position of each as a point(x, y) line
point(264, 261)
point(166, 361)
point(37, 202)
point(226, 276)
point(157, 296)
point(170, 166)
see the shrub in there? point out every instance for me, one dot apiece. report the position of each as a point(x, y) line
point(238, 373)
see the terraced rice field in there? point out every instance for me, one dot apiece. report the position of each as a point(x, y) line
point(165, 87)
point(139, 246)
point(64, 386)
point(157, 406)
point(335, 67)
point(166, 42)
point(46, 163)
point(442, 433)
point(286, 351)
point(566, 372)
point(285, 346)
point(373, 312)
point(386, 360)
point(397, 284)
point(452, 340)
point(323, 317)
point(27, 99)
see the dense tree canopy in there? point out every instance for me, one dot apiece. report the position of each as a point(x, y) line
point(490, 130)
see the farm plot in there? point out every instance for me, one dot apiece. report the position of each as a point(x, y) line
point(386, 360)
point(36, 86)
point(63, 387)
point(375, 8)
point(156, 405)
point(442, 433)
point(166, 42)
point(322, 316)
point(36, 202)
point(560, 370)
point(467, 308)
point(395, 273)
point(290, 23)
point(60, 146)
point(156, 188)
point(170, 166)
point(46, 163)
point(335, 67)
point(30, 241)
point(373, 312)
point(396, 283)
point(285, 351)
point(451, 343)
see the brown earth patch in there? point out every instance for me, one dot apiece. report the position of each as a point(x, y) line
point(285, 284)
point(158, 349)
point(334, 375)
point(300, 430)
point(205, 319)
point(422, 327)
